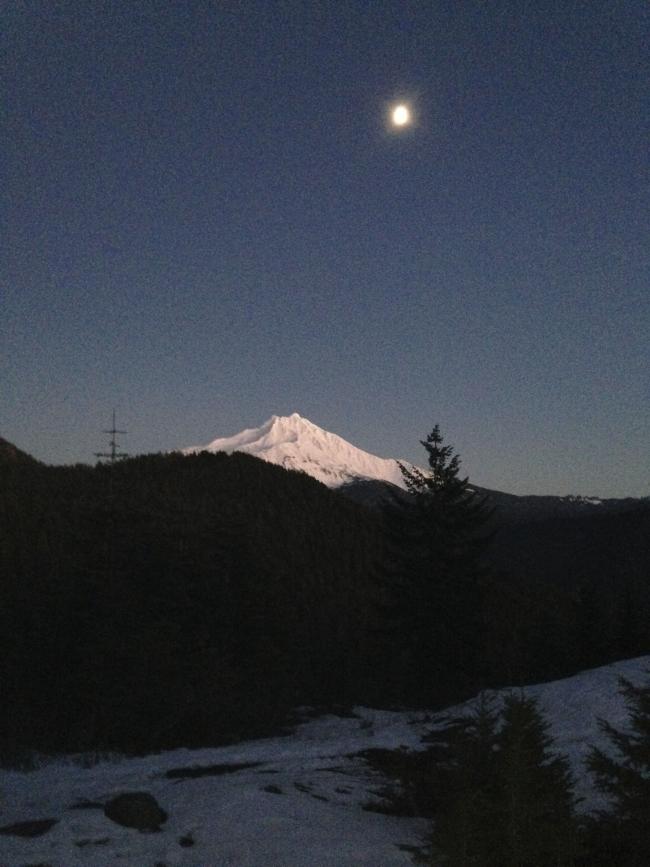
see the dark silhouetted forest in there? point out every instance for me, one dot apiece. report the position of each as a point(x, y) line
point(169, 600)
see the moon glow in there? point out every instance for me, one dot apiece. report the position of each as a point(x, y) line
point(400, 115)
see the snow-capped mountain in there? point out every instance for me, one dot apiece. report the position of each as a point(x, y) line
point(296, 443)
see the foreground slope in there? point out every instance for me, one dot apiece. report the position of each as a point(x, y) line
point(287, 801)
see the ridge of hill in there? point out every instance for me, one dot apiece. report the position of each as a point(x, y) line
point(11, 454)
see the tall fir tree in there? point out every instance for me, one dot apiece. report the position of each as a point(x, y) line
point(439, 600)
point(465, 780)
point(536, 800)
point(623, 832)
point(505, 798)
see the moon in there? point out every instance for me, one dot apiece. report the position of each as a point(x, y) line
point(400, 115)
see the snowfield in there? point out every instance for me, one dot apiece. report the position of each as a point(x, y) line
point(292, 801)
point(295, 443)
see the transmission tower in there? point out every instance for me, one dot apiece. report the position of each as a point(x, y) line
point(114, 454)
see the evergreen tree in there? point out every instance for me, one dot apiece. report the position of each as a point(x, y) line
point(505, 799)
point(536, 801)
point(439, 594)
point(624, 832)
point(466, 784)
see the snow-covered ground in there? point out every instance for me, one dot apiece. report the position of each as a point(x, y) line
point(297, 804)
point(296, 443)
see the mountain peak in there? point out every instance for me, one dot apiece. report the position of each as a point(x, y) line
point(296, 443)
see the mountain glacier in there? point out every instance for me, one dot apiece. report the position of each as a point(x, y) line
point(296, 443)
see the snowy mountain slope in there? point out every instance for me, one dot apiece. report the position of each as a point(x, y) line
point(297, 804)
point(296, 443)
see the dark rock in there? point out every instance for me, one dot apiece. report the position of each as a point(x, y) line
point(136, 810)
point(274, 790)
point(186, 841)
point(35, 828)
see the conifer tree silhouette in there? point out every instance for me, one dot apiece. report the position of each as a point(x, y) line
point(444, 537)
point(625, 778)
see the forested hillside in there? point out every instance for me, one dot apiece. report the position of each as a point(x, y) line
point(172, 600)
point(581, 585)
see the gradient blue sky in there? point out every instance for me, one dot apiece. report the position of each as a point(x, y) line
point(207, 221)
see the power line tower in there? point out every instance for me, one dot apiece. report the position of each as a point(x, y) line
point(114, 454)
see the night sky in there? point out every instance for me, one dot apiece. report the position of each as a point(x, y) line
point(208, 219)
